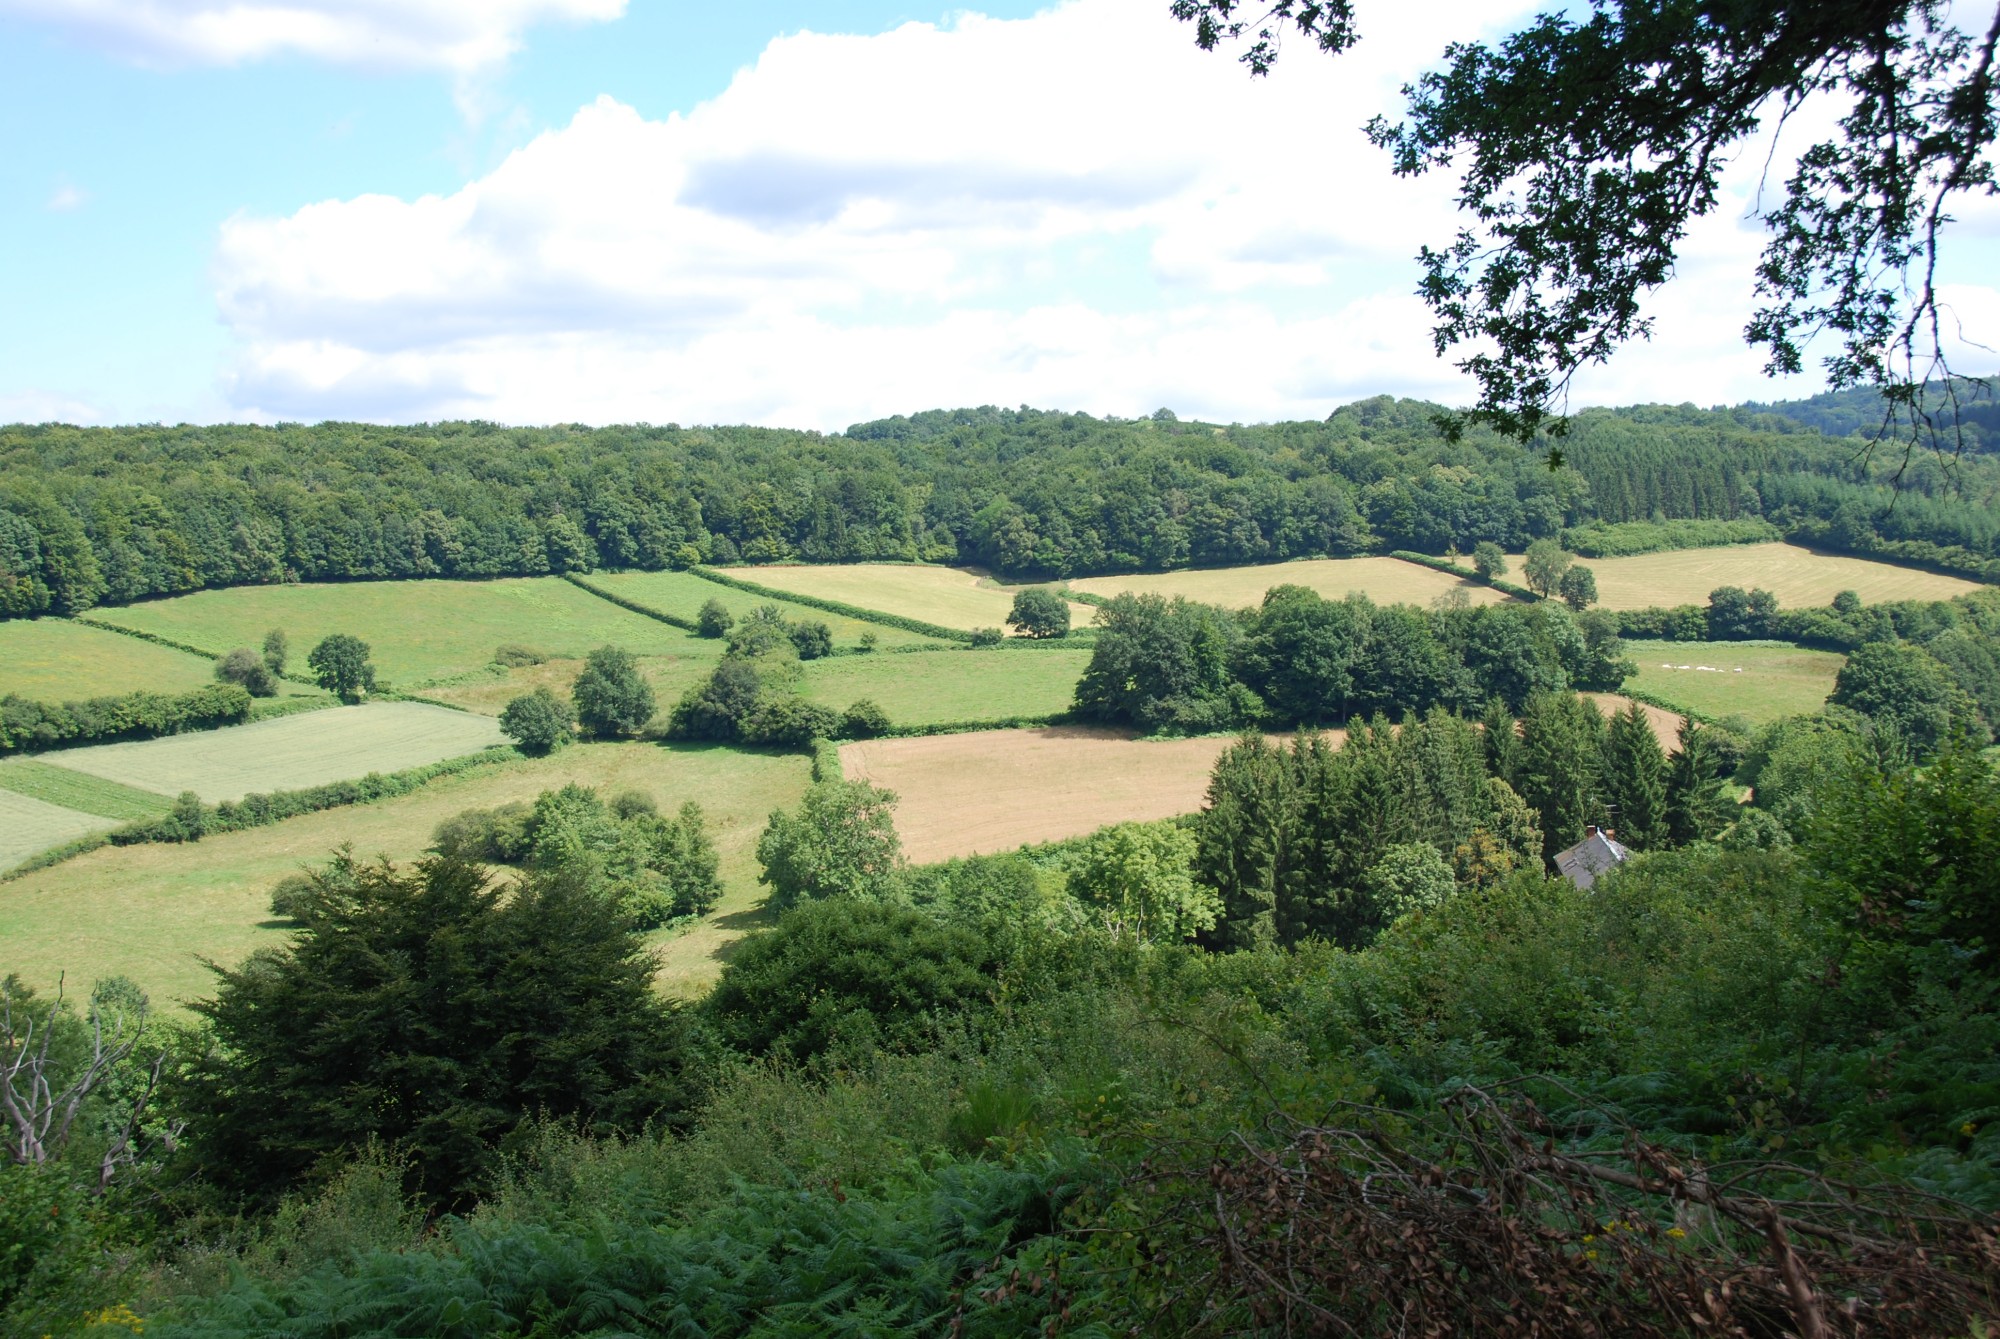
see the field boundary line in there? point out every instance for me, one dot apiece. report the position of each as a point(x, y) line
point(1437, 564)
point(631, 606)
point(841, 607)
point(157, 640)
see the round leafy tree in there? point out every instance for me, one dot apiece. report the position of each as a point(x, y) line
point(340, 665)
point(538, 722)
point(842, 842)
point(611, 696)
point(1040, 612)
point(714, 620)
point(246, 667)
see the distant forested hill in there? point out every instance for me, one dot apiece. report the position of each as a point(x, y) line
point(110, 515)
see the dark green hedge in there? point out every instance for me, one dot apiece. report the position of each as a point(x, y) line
point(1447, 565)
point(27, 725)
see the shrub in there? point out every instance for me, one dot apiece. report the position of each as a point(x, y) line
point(787, 721)
point(538, 722)
point(515, 656)
point(982, 637)
point(277, 650)
point(245, 667)
point(714, 620)
point(612, 698)
point(864, 720)
point(812, 638)
point(1489, 560)
point(844, 978)
point(500, 836)
point(717, 708)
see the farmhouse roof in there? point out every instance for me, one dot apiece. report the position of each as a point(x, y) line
point(1582, 863)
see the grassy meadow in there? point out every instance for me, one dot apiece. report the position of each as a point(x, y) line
point(418, 632)
point(55, 660)
point(77, 790)
point(29, 826)
point(682, 594)
point(1383, 580)
point(931, 687)
point(1759, 681)
point(151, 912)
point(950, 597)
point(288, 753)
point(1799, 577)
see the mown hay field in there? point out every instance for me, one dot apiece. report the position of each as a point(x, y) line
point(29, 826)
point(490, 692)
point(950, 597)
point(1383, 580)
point(1759, 681)
point(682, 594)
point(934, 687)
point(80, 791)
point(417, 631)
point(150, 912)
point(289, 753)
point(994, 790)
point(1799, 577)
point(55, 660)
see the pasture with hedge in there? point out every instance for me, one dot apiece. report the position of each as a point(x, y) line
point(1214, 964)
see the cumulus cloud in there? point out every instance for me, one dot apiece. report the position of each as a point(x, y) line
point(1075, 210)
point(33, 406)
point(455, 35)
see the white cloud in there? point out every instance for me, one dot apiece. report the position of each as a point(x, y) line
point(456, 35)
point(1075, 210)
point(66, 198)
point(33, 406)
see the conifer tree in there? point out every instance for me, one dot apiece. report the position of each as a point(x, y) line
point(1562, 748)
point(1635, 780)
point(1697, 808)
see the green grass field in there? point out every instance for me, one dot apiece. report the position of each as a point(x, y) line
point(149, 912)
point(418, 631)
point(79, 791)
point(1799, 577)
point(1383, 580)
point(950, 597)
point(1760, 681)
point(54, 660)
point(292, 752)
point(683, 594)
point(29, 826)
point(670, 676)
point(930, 687)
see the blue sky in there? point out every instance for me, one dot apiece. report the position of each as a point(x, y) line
point(804, 213)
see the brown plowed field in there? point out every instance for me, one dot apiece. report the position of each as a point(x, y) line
point(994, 790)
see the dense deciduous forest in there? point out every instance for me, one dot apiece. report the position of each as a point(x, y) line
point(110, 515)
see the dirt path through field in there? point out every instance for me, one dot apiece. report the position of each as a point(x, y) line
point(993, 790)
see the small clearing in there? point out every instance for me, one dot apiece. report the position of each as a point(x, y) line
point(55, 660)
point(1383, 580)
point(682, 594)
point(289, 753)
point(1799, 577)
point(951, 597)
point(29, 826)
point(994, 790)
point(418, 632)
point(1759, 681)
point(934, 687)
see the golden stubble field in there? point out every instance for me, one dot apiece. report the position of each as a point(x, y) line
point(950, 597)
point(994, 790)
point(1383, 580)
point(1799, 577)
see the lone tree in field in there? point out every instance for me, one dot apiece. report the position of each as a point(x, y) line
point(340, 665)
point(1489, 560)
point(538, 722)
point(244, 666)
point(1039, 612)
point(1578, 587)
point(611, 696)
point(714, 620)
point(841, 843)
point(1588, 141)
point(1544, 566)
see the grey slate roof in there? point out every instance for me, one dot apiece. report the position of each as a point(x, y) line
point(1583, 862)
